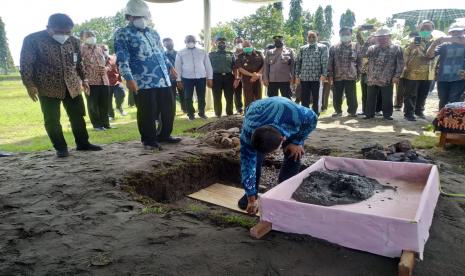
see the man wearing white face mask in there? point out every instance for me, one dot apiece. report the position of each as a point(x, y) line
point(52, 72)
point(194, 70)
point(143, 63)
point(96, 66)
point(344, 70)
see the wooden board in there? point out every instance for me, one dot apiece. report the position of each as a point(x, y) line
point(221, 195)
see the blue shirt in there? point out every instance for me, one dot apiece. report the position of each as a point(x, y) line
point(295, 122)
point(141, 57)
point(451, 61)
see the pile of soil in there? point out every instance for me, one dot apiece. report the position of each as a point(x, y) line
point(402, 151)
point(223, 138)
point(329, 188)
point(234, 121)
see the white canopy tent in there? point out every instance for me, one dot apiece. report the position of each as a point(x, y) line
point(207, 24)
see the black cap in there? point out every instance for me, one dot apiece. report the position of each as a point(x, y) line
point(220, 39)
point(277, 36)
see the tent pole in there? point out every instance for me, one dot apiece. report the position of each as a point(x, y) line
point(207, 39)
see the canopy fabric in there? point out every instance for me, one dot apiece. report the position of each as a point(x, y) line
point(432, 14)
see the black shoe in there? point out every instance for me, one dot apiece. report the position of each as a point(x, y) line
point(388, 118)
point(336, 115)
point(367, 117)
point(243, 202)
point(88, 147)
point(191, 117)
point(99, 128)
point(109, 127)
point(171, 140)
point(421, 115)
point(352, 115)
point(62, 153)
point(203, 116)
point(152, 146)
point(410, 118)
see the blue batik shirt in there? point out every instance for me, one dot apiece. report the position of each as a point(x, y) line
point(295, 122)
point(451, 61)
point(141, 57)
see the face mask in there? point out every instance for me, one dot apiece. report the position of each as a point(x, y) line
point(278, 44)
point(190, 45)
point(248, 50)
point(140, 23)
point(60, 38)
point(346, 38)
point(239, 46)
point(425, 34)
point(107, 53)
point(91, 40)
point(221, 46)
point(312, 43)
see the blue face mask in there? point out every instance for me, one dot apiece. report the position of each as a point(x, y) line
point(346, 38)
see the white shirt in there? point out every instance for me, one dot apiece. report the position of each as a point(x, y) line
point(193, 64)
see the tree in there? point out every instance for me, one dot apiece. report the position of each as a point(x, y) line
point(6, 60)
point(347, 19)
point(294, 25)
point(225, 30)
point(328, 26)
point(319, 20)
point(307, 24)
point(103, 27)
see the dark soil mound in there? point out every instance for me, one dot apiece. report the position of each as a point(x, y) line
point(329, 188)
point(222, 123)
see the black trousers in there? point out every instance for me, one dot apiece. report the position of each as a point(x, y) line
point(415, 94)
point(131, 100)
point(364, 85)
point(178, 92)
point(97, 105)
point(76, 112)
point(450, 92)
point(238, 98)
point(310, 89)
point(372, 98)
point(150, 103)
point(283, 87)
point(200, 86)
point(116, 91)
point(348, 87)
point(223, 83)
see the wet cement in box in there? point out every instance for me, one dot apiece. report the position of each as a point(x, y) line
point(330, 188)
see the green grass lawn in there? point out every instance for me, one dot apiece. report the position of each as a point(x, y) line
point(22, 129)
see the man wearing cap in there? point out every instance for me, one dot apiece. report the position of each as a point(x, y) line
point(311, 69)
point(222, 63)
point(451, 52)
point(365, 38)
point(52, 72)
point(416, 82)
point(385, 65)
point(194, 71)
point(250, 66)
point(278, 70)
point(344, 70)
point(143, 63)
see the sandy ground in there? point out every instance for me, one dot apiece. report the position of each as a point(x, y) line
point(79, 216)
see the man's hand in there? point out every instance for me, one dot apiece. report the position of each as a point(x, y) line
point(86, 87)
point(33, 93)
point(132, 86)
point(330, 80)
point(236, 83)
point(322, 78)
point(266, 83)
point(252, 205)
point(395, 80)
point(180, 85)
point(296, 151)
point(297, 81)
point(210, 83)
point(173, 73)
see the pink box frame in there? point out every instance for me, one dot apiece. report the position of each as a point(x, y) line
point(355, 227)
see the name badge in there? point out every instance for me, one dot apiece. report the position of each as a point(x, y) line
point(75, 57)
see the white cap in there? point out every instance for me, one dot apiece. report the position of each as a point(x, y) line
point(383, 32)
point(456, 27)
point(137, 8)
